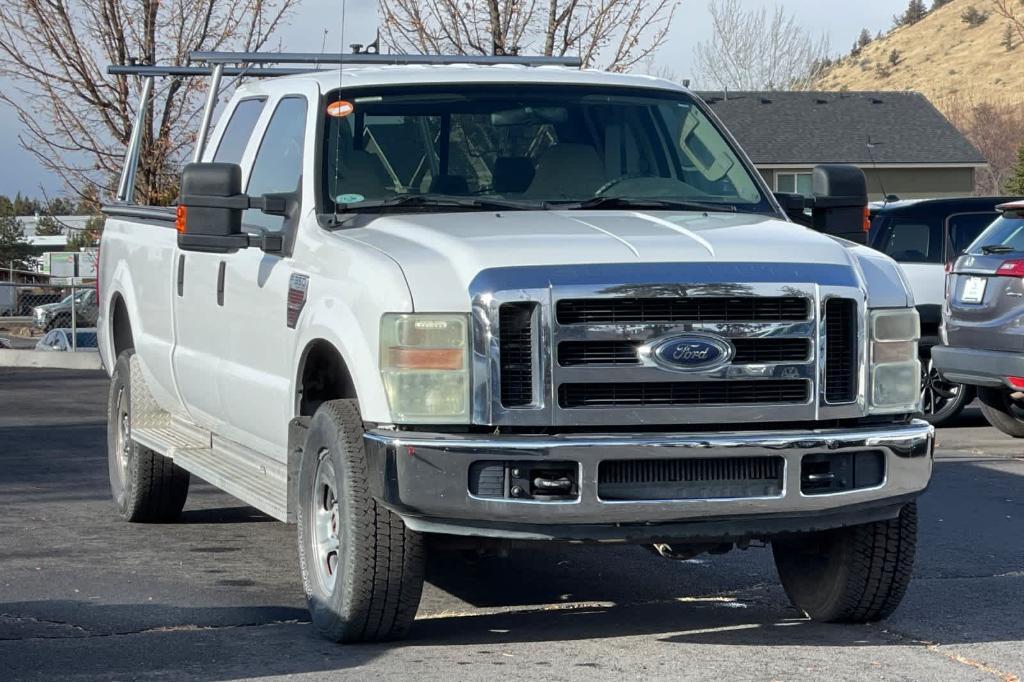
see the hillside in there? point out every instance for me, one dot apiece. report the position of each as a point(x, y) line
point(942, 57)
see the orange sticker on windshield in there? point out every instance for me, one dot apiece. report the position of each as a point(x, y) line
point(340, 109)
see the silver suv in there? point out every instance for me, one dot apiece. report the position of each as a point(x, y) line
point(982, 333)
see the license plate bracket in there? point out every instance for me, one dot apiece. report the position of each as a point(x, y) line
point(974, 290)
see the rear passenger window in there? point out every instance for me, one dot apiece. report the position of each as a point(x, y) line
point(240, 126)
point(911, 240)
point(278, 164)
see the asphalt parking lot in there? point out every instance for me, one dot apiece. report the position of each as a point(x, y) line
point(217, 596)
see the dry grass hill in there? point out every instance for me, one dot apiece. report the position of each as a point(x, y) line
point(942, 57)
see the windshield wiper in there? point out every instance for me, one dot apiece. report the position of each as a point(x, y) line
point(443, 201)
point(997, 248)
point(598, 203)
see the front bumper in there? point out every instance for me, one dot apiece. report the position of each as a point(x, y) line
point(425, 479)
point(977, 367)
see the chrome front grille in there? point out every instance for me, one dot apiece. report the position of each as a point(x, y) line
point(594, 362)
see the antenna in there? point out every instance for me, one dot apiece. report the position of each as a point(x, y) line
point(874, 165)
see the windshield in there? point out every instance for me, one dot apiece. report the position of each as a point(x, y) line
point(529, 147)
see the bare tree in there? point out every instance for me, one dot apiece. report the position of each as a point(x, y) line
point(996, 129)
point(1013, 12)
point(611, 34)
point(757, 48)
point(76, 119)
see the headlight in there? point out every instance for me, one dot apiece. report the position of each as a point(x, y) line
point(424, 362)
point(895, 368)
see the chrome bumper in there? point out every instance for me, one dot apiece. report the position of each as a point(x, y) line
point(424, 478)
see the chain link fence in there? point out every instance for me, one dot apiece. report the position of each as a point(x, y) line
point(48, 317)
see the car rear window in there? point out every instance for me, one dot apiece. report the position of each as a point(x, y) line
point(1004, 231)
point(910, 239)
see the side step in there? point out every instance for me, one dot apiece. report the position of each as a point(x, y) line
point(237, 470)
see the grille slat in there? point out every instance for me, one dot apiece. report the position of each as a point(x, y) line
point(840, 350)
point(515, 333)
point(697, 309)
point(679, 479)
point(748, 351)
point(682, 393)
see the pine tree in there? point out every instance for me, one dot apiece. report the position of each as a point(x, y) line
point(915, 12)
point(939, 3)
point(1015, 184)
point(15, 249)
point(47, 225)
point(1008, 38)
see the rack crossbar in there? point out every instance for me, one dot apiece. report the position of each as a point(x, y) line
point(318, 58)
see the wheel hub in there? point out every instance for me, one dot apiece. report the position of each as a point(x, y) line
point(325, 538)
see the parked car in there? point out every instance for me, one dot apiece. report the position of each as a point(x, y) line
point(982, 335)
point(59, 314)
point(62, 340)
point(923, 235)
point(509, 304)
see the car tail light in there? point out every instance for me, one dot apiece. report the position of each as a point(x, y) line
point(867, 219)
point(1011, 268)
point(1016, 382)
point(99, 247)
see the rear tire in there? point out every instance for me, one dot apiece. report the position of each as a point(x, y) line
point(849, 575)
point(362, 569)
point(147, 487)
point(1002, 412)
point(941, 401)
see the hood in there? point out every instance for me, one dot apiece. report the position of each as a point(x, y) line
point(441, 254)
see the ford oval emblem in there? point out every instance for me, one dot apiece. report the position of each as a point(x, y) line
point(693, 352)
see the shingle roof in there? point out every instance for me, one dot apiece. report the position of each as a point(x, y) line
point(835, 127)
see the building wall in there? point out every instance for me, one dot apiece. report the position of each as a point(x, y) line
point(906, 183)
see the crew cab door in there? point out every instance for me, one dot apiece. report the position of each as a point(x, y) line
point(198, 342)
point(257, 342)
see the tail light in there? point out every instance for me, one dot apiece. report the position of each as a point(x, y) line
point(1011, 268)
point(867, 220)
point(99, 248)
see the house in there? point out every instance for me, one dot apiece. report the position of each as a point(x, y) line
point(904, 145)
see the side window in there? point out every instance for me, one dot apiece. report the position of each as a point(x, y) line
point(278, 164)
point(793, 183)
point(912, 240)
point(239, 130)
point(964, 228)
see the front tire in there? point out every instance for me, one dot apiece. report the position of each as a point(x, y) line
point(1002, 411)
point(362, 569)
point(147, 487)
point(857, 574)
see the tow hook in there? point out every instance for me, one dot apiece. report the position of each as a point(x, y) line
point(552, 486)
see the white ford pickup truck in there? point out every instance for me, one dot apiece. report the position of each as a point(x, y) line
point(515, 302)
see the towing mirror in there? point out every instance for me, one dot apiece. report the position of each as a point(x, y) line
point(210, 210)
point(838, 202)
point(840, 196)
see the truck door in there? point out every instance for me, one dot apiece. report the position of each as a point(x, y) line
point(198, 276)
point(257, 342)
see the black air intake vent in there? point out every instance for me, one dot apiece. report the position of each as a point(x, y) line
point(764, 392)
point(698, 309)
point(840, 350)
point(681, 479)
point(516, 335)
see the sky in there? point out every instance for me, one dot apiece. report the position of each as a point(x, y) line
point(840, 21)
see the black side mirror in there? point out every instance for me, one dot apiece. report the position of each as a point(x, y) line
point(210, 210)
point(794, 205)
point(840, 200)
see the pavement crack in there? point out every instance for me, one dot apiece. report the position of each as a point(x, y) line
point(187, 627)
point(953, 656)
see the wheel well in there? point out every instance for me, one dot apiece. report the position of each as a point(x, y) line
point(324, 376)
point(120, 327)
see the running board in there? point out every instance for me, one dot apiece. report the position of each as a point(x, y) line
point(237, 470)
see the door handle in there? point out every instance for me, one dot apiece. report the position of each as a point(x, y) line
point(220, 284)
point(181, 274)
